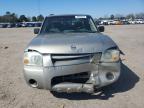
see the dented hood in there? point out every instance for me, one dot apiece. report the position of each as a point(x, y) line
point(71, 43)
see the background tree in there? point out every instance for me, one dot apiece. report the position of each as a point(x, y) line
point(119, 16)
point(130, 16)
point(34, 19)
point(8, 13)
point(14, 18)
point(28, 19)
point(112, 17)
point(9, 17)
point(40, 18)
point(23, 18)
point(1, 18)
point(100, 18)
point(139, 15)
point(106, 17)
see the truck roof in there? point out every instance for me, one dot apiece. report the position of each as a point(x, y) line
point(68, 15)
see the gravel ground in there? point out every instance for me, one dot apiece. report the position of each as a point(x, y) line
point(127, 92)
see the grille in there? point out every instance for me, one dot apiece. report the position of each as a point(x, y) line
point(71, 59)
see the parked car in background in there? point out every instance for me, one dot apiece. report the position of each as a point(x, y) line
point(139, 21)
point(104, 22)
point(125, 22)
point(38, 24)
point(117, 22)
point(111, 22)
point(3, 25)
point(30, 24)
point(11, 25)
point(23, 24)
point(18, 24)
point(132, 22)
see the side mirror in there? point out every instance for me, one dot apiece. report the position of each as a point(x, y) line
point(36, 30)
point(101, 28)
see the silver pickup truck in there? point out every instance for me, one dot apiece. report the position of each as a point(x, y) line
point(70, 54)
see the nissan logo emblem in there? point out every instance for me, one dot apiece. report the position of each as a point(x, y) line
point(73, 47)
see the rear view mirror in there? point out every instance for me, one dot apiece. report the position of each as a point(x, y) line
point(101, 28)
point(36, 30)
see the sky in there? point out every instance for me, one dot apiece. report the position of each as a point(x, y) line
point(96, 8)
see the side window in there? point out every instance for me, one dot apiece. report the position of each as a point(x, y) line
point(92, 25)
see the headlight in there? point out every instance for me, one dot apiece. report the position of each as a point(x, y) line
point(33, 59)
point(110, 56)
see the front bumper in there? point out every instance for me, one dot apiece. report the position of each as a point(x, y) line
point(100, 75)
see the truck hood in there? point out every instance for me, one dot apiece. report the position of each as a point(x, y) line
point(71, 43)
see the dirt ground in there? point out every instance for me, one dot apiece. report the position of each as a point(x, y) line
point(127, 92)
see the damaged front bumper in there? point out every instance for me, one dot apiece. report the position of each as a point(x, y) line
point(74, 76)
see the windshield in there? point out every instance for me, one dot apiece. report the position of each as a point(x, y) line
point(68, 24)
